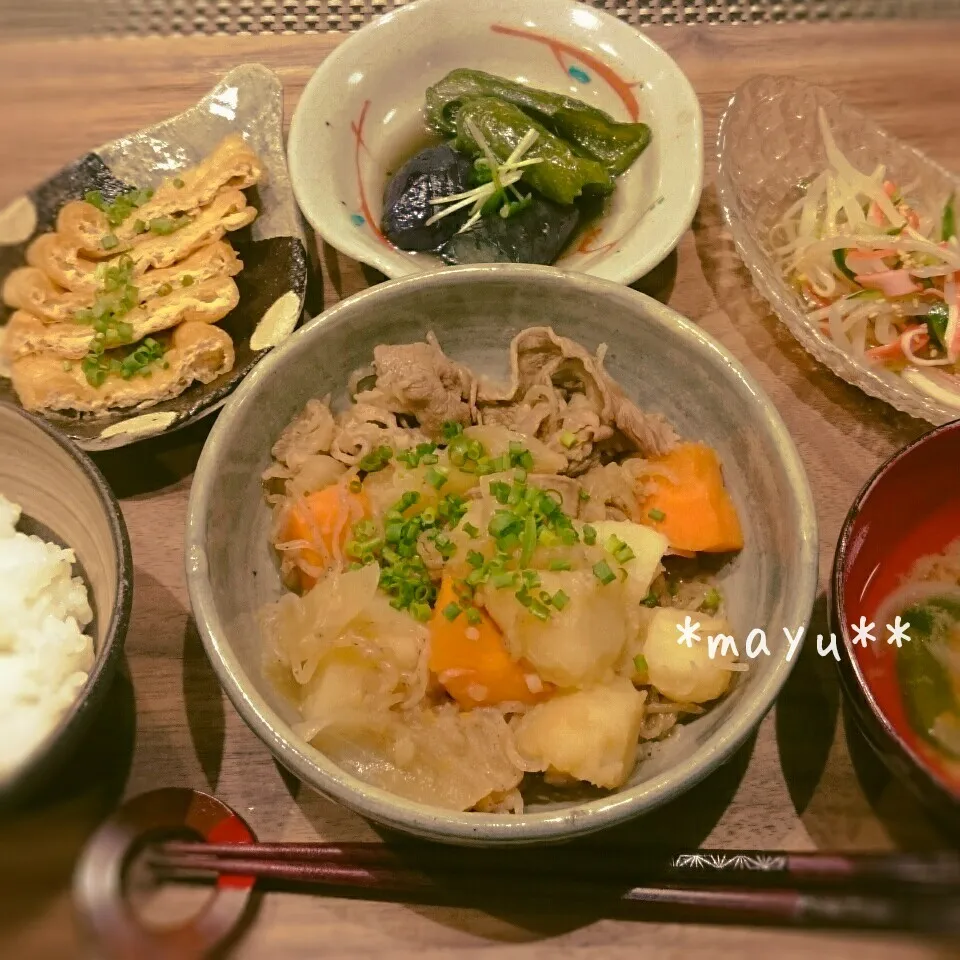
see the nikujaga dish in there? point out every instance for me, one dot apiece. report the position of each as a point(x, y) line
point(486, 579)
point(518, 173)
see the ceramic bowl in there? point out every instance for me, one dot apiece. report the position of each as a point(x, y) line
point(663, 361)
point(343, 146)
point(272, 284)
point(66, 500)
point(878, 543)
point(769, 143)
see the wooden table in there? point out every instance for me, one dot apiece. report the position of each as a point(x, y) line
point(806, 781)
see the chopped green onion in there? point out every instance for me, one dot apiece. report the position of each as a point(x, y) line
point(452, 610)
point(559, 599)
point(657, 515)
point(603, 572)
point(474, 616)
point(475, 558)
point(436, 478)
point(420, 611)
point(568, 439)
point(528, 542)
point(139, 226)
point(164, 290)
point(584, 495)
point(355, 485)
point(451, 429)
point(429, 459)
point(840, 259)
point(711, 602)
point(505, 579)
point(640, 663)
point(589, 535)
point(560, 565)
point(187, 281)
point(471, 531)
point(650, 600)
point(109, 241)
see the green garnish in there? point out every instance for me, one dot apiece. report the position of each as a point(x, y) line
point(164, 290)
point(711, 602)
point(139, 226)
point(187, 281)
point(451, 429)
point(452, 610)
point(471, 531)
point(937, 319)
point(119, 209)
point(840, 259)
point(584, 495)
point(568, 439)
point(474, 616)
point(355, 486)
point(559, 599)
point(96, 365)
point(376, 460)
point(650, 600)
point(589, 535)
point(436, 478)
point(657, 515)
point(948, 223)
point(177, 182)
point(640, 663)
point(164, 226)
point(560, 565)
point(109, 241)
point(603, 572)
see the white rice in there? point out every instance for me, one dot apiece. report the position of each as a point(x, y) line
point(45, 656)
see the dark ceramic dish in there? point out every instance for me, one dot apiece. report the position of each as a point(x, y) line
point(272, 284)
point(65, 499)
point(879, 541)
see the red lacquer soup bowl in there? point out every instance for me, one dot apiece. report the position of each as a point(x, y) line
point(908, 509)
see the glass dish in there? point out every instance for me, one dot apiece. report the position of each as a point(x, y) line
point(769, 142)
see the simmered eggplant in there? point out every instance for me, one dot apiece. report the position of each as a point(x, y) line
point(535, 234)
point(433, 173)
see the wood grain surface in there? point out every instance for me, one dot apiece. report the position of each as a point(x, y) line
point(805, 781)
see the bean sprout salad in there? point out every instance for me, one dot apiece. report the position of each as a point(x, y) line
point(879, 276)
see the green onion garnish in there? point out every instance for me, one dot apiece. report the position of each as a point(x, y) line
point(109, 241)
point(559, 599)
point(657, 515)
point(560, 565)
point(640, 663)
point(178, 183)
point(436, 478)
point(451, 611)
point(711, 602)
point(471, 531)
point(568, 439)
point(187, 281)
point(164, 290)
point(589, 535)
point(603, 572)
point(650, 600)
point(474, 616)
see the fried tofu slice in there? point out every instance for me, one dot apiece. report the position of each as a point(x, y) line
point(232, 166)
point(207, 302)
point(30, 289)
point(194, 352)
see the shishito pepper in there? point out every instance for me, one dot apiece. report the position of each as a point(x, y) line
point(561, 175)
point(590, 131)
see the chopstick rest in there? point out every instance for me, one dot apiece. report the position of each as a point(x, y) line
point(98, 881)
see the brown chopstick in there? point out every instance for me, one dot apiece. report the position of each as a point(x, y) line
point(926, 912)
point(617, 865)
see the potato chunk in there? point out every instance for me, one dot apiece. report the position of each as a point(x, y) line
point(576, 645)
point(681, 673)
point(590, 734)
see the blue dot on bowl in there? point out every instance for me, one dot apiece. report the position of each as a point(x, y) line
point(357, 219)
point(581, 76)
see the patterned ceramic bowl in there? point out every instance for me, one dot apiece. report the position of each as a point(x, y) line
point(66, 500)
point(663, 362)
point(272, 284)
point(769, 143)
point(361, 115)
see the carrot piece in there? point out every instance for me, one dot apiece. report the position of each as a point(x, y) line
point(692, 509)
point(318, 519)
point(471, 661)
